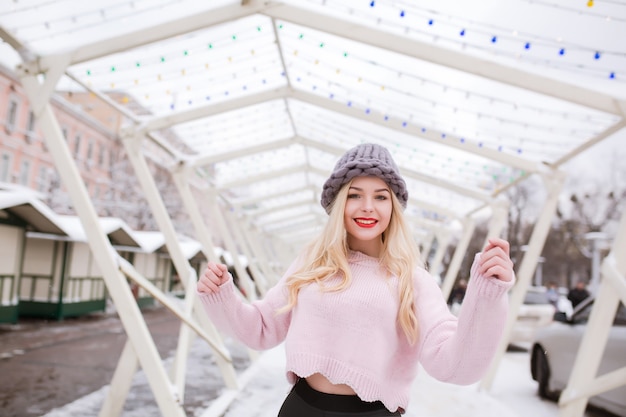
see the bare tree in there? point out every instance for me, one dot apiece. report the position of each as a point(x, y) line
point(524, 202)
point(593, 204)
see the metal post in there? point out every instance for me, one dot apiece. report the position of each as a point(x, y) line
point(499, 210)
point(185, 271)
point(595, 238)
point(583, 382)
point(426, 245)
point(244, 280)
point(553, 181)
point(443, 240)
point(457, 258)
point(164, 392)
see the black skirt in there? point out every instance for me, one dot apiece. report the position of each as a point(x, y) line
point(304, 401)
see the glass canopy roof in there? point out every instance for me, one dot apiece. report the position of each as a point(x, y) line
point(470, 97)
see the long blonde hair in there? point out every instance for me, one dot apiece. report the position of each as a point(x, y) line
point(327, 256)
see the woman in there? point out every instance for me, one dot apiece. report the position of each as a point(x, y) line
point(357, 310)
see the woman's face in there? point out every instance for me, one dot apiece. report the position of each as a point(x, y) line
point(367, 214)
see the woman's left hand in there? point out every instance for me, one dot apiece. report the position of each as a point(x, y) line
point(495, 261)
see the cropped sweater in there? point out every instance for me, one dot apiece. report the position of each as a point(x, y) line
point(353, 336)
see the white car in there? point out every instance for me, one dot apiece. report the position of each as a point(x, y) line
point(536, 312)
point(554, 352)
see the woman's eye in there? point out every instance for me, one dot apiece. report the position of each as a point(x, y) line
point(353, 196)
point(381, 197)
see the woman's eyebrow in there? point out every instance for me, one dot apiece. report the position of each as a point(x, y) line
point(376, 191)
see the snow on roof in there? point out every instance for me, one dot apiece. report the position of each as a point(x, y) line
point(152, 241)
point(34, 212)
point(190, 248)
point(116, 229)
point(149, 241)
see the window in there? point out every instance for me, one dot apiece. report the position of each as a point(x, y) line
point(77, 146)
point(31, 122)
point(5, 164)
point(30, 127)
point(24, 172)
point(65, 133)
point(90, 146)
point(11, 115)
point(101, 156)
point(42, 181)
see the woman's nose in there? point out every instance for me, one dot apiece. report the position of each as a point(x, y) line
point(368, 205)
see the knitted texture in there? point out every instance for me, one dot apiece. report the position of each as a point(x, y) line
point(353, 336)
point(368, 159)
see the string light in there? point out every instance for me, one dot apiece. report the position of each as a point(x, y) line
point(537, 40)
point(117, 11)
point(519, 149)
point(360, 79)
point(445, 87)
point(609, 73)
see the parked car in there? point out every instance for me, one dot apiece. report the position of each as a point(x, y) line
point(536, 312)
point(554, 352)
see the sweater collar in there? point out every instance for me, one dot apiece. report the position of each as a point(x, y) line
point(356, 257)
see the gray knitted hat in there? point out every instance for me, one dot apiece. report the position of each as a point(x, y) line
point(365, 160)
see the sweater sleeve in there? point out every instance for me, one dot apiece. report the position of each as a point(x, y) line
point(460, 350)
point(258, 325)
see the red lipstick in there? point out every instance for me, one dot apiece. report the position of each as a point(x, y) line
point(365, 222)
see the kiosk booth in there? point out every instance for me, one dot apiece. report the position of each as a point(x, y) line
point(23, 215)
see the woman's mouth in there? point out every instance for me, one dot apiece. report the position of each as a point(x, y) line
point(365, 222)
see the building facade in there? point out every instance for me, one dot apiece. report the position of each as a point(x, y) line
point(92, 131)
point(24, 157)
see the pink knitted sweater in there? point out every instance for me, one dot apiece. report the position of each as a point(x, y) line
point(353, 337)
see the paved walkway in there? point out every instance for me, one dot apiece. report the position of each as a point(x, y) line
point(61, 369)
point(46, 364)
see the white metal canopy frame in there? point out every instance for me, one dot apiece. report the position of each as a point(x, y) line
point(263, 96)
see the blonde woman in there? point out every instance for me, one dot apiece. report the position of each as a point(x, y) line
point(357, 311)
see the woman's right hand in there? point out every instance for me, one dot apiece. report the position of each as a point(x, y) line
point(213, 276)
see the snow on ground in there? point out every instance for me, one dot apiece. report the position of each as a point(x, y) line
point(513, 393)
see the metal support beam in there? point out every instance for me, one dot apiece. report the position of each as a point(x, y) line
point(427, 244)
point(409, 173)
point(159, 32)
point(164, 392)
point(583, 381)
point(457, 258)
point(163, 122)
point(229, 242)
point(443, 240)
point(185, 272)
point(553, 183)
point(499, 211)
point(234, 225)
point(121, 382)
point(431, 135)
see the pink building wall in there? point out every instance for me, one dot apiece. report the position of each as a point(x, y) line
point(24, 158)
